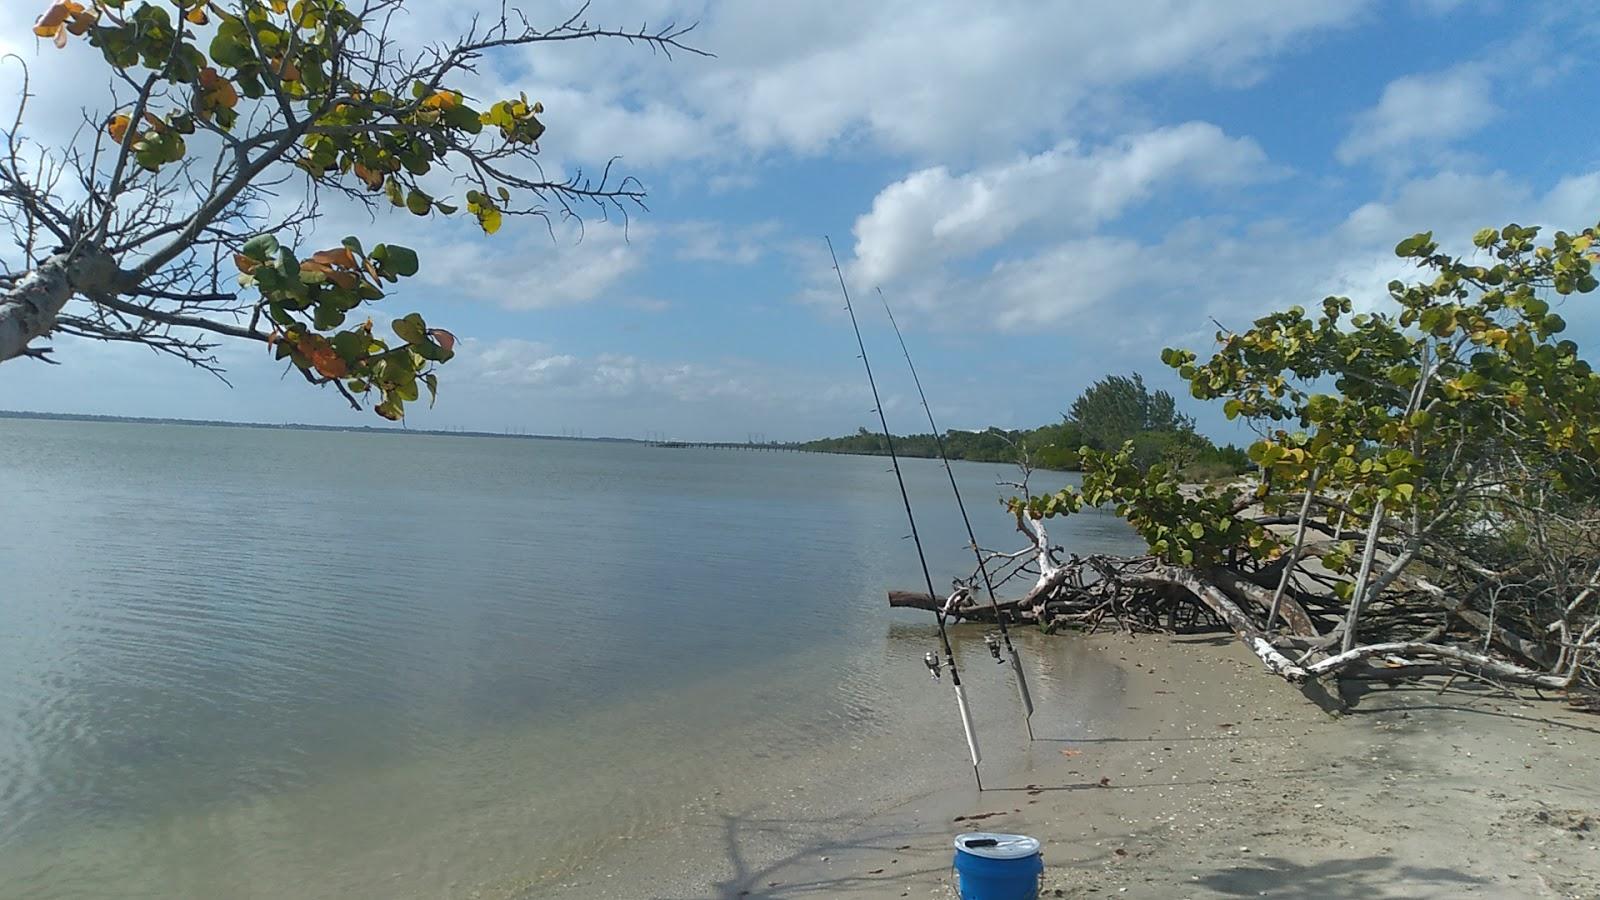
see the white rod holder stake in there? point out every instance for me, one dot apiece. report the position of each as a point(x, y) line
point(966, 725)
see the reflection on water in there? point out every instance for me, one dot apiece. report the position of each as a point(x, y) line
point(285, 664)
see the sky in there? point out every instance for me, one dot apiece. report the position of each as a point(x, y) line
point(1046, 193)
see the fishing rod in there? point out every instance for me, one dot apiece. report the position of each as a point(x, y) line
point(930, 659)
point(972, 537)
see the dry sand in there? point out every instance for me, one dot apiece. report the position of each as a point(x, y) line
point(1221, 781)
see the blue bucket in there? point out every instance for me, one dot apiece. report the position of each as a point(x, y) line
point(998, 866)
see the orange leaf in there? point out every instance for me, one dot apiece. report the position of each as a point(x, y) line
point(346, 280)
point(373, 180)
point(81, 22)
point(440, 100)
point(330, 365)
point(117, 127)
point(285, 69)
point(50, 21)
point(340, 256)
point(443, 338)
point(197, 15)
point(245, 263)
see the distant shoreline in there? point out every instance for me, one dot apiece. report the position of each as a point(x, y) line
point(295, 426)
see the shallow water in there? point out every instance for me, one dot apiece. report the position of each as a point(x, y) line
point(267, 663)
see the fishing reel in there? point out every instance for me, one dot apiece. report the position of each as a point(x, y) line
point(993, 643)
point(931, 660)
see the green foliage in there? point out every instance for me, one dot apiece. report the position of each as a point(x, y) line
point(1110, 407)
point(1116, 408)
point(1460, 401)
point(328, 286)
point(341, 123)
point(1048, 446)
point(1183, 526)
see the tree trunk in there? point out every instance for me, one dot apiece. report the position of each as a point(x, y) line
point(1221, 604)
point(28, 310)
point(1469, 659)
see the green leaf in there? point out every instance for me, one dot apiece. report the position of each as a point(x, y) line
point(1197, 530)
point(350, 345)
point(353, 244)
point(419, 203)
point(400, 260)
point(1232, 408)
point(1416, 245)
point(411, 329)
point(328, 316)
point(261, 247)
point(432, 381)
point(392, 409)
point(464, 118)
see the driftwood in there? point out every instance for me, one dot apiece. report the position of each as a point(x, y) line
point(1413, 628)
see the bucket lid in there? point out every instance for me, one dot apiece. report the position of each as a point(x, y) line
point(1005, 846)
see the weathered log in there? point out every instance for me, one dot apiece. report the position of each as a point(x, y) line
point(1289, 609)
point(1223, 605)
point(1469, 659)
point(969, 608)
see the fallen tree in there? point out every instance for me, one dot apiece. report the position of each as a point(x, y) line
point(1427, 496)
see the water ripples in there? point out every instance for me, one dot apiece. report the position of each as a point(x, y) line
point(315, 660)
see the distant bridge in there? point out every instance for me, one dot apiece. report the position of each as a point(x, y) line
point(728, 445)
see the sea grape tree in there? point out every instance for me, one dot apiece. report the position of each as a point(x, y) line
point(176, 217)
point(1433, 464)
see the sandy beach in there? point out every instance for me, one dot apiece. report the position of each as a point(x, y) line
point(1218, 780)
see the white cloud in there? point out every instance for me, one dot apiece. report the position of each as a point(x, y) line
point(933, 214)
point(919, 78)
point(533, 272)
point(1420, 111)
point(930, 78)
point(707, 241)
point(657, 391)
point(1114, 296)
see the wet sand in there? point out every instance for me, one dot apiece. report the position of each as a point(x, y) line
point(1216, 780)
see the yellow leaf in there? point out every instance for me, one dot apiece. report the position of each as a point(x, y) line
point(489, 218)
point(441, 100)
point(51, 20)
point(117, 127)
point(197, 16)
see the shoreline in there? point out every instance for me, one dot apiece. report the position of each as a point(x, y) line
point(1220, 780)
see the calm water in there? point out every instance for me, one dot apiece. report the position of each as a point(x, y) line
point(240, 662)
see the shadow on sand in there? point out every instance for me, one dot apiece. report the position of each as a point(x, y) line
point(1336, 879)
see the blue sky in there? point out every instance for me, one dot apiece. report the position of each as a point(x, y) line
point(1046, 193)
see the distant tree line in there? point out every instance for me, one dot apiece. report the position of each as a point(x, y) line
point(1112, 411)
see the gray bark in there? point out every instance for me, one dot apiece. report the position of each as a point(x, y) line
point(28, 310)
